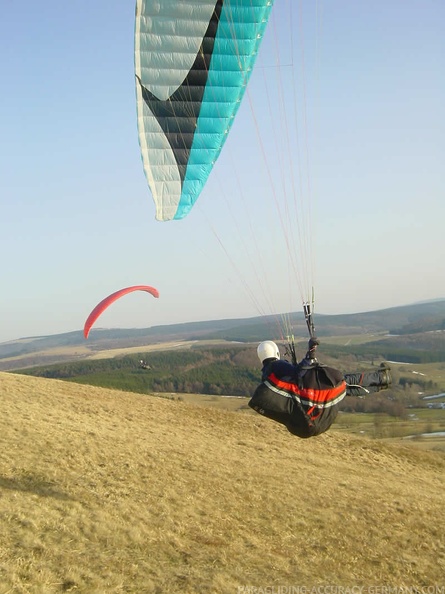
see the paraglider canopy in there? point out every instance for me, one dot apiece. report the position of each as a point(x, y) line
point(192, 63)
point(102, 306)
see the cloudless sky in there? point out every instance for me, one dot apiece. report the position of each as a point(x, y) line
point(344, 110)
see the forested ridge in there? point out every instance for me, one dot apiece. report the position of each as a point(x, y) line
point(231, 371)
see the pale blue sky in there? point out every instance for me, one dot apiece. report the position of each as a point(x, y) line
point(366, 81)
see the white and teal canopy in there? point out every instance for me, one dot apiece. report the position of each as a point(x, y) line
point(193, 59)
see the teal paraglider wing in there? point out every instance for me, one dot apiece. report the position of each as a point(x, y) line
point(192, 62)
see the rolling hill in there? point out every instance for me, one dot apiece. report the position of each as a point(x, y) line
point(420, 324)
point(104, 491)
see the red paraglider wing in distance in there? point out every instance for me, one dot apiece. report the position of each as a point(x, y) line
point(102, 306)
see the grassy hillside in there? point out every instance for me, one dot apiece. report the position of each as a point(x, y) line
point(106, 492)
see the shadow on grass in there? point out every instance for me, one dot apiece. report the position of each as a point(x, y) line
point(29, 483)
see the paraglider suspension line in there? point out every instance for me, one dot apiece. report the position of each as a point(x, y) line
point(290, 350)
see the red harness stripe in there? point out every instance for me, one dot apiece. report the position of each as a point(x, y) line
point(319, 396)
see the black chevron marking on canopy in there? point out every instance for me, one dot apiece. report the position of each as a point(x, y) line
point(178, 114)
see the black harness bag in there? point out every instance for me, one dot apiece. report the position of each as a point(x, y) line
point(306, 408)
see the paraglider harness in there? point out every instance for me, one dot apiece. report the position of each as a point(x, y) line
point(304, 396)
point(314, 378)
point(358, 384)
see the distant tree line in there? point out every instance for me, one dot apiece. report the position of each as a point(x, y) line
point(384, 351)
point(232, 371)
point(378, 403)
point(210, 371)
point(426, 324)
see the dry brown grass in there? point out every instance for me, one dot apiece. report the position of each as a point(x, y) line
point(104, 492)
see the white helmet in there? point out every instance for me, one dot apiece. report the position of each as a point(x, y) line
point(267, 350)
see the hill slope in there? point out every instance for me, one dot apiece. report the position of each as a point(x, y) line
point(44, 350)
point(106, 491)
